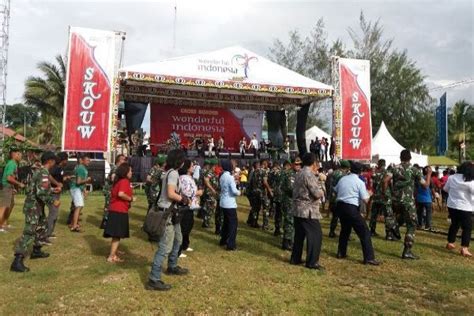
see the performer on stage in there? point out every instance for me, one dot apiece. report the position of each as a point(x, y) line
point(243, 146)
point(220, 144)
point(211, 146)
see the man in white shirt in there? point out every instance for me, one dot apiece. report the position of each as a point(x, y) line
point(254, 144)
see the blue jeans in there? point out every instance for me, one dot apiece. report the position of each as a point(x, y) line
point(169, 246)
point(422, 218)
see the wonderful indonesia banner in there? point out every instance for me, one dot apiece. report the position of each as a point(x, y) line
point(90, 75)
point(193, 122)
point(356, 126)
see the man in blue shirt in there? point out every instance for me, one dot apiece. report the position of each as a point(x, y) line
point(351, 192)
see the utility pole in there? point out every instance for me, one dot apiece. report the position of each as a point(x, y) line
point(4, 31)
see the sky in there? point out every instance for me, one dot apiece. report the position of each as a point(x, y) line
point(437, 34)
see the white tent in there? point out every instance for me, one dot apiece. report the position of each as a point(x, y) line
point(233, 77)
point(386, 147)
point(314, 132)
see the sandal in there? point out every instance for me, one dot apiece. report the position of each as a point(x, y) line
point(76, 230)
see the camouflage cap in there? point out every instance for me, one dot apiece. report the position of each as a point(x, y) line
point(298, 161)
point(345, 164)
point(160, 159)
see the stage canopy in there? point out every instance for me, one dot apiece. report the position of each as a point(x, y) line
point(232, 77)
point(384, 146)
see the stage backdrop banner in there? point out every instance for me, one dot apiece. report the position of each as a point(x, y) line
point(192, 122)
point(355, 99)
point(90, 75)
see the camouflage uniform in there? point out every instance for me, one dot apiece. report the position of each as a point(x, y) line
point(335, 177)
point(287, 179)
point(250, 192)
point(209, 198)
point(261, 197)
point(274, 180)
point(382, 203)
point(405, 177)
point(152, 189)
point(107, 190)
point(38, 194)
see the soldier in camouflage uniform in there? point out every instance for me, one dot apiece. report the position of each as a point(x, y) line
point(38, 195)
point(251, 193)
point(264, 194)
point(202, 186)
point(382, 203)
point(211, 192)
point(338, 173)
point(405, 177)
point(287, 178)
point(107, 189)
point(153, 180)
point(274, 178)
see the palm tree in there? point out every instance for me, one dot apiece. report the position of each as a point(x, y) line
point(46, 93)
point(459, 126)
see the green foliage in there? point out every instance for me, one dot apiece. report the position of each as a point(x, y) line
point(46, 93)
point(18, 114)
point(460, 125)
point(399, 95)
point(311, 57)
point(10, 143)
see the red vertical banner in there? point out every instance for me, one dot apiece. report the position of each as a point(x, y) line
point(356, 127)
point(88, 101)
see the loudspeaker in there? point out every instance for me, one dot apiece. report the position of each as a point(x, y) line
point(192, 153)
point(235, 155)
point(249, 156)
point(284, 156)
point(264, 156)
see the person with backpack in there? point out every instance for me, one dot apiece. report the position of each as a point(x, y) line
point(170, 241)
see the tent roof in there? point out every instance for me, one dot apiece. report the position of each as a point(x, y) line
point(229, 77)
point(314, 132)
point(386, 147)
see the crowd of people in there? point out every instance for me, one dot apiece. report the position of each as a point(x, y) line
point(291, 194)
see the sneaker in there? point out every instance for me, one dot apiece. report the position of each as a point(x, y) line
point(52, 236)
point(182, 255)
point(157, 286)
point(189, 249)
point(177, 271)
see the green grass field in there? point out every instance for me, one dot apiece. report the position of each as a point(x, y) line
point(256, 279)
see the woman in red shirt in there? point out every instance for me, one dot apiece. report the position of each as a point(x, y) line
point(120, 200)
